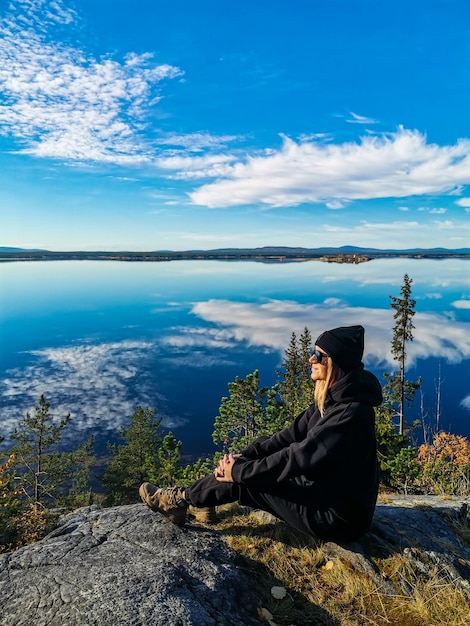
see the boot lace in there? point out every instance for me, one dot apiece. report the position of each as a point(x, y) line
point(175, 496)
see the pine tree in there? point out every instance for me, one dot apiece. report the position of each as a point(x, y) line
point(43, 472)
point(75, 466)
point(247, 412)
point(295, 384)
point(200, 468)
point(307, 387)
point(135, 461)
point(288, 376)
point(169, 461)
point(399, 389)
point(389, 442)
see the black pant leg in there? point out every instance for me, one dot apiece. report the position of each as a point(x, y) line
point(301, 505)
point(208, 491)
point(286, 500)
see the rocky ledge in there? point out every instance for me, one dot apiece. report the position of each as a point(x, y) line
point(127, 566)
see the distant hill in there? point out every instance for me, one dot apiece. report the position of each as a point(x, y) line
point(267, 254)
point(337, 250)
point(5, 249)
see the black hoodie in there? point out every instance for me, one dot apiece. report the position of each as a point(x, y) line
point(334, 453)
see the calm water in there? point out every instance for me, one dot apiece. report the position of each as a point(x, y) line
point(100, 338)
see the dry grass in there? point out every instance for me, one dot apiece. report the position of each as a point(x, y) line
point(329, 592)
point(461, 525)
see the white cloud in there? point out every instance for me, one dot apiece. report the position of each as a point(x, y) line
point(336, 204)
point(61, 102)
point(185, 167)
point(400, 234)
point(437, 211)
point(333, 302)
point(444, 225)
point(385, 229)
point(461, 304)
point(54, 10)
point(310, 136)
point(401, 164)
point(360, 119)
point(196, 142)
point(393, 226)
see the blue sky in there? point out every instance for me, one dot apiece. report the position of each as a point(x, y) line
point(189, 124)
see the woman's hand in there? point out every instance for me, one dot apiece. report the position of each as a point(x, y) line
point(223, 472)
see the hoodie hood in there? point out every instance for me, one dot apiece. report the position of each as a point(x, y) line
point(359, 385)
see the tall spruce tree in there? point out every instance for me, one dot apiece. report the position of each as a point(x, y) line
point(400, 391)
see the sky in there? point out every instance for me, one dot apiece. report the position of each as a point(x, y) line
point(200, 124)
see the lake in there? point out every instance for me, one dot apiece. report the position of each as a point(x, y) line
point(98, 338)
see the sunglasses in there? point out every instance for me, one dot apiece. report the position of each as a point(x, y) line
point(319, 357)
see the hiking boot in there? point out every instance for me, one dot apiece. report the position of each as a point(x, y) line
point(205, 515)
point(169, 502)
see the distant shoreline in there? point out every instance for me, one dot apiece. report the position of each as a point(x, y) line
point(265, 255)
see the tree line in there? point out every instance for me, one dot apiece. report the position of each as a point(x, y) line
point(38, 481)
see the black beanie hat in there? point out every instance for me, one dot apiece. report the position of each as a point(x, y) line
point(345, 345)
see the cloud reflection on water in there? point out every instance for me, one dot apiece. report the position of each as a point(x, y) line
point(96, 383)
point(192, 326)
point(271, 323)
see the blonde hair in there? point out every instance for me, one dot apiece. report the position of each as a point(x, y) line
point(322, 386)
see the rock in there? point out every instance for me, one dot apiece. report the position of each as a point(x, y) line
point(423, 529)
point(125, 566)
